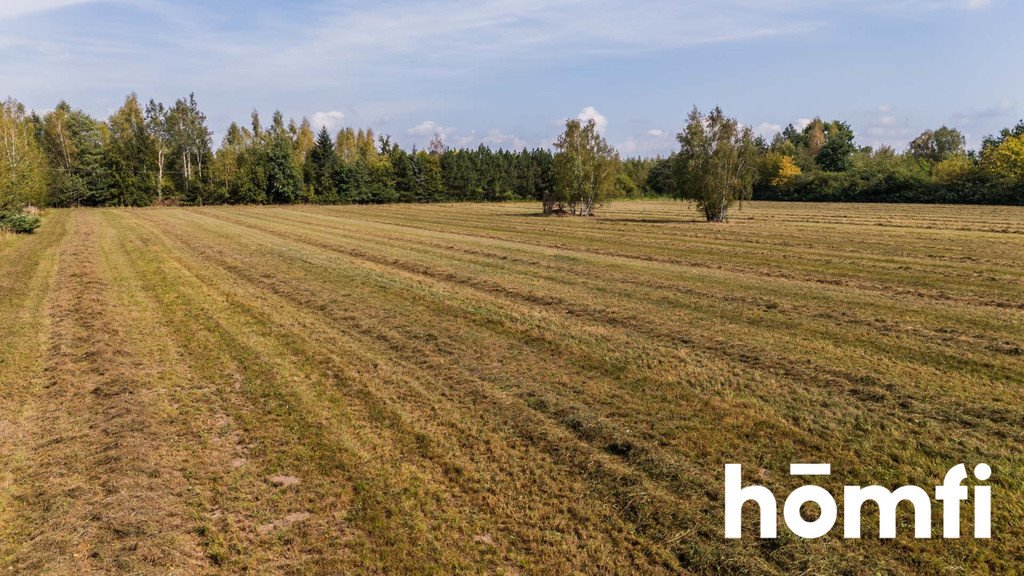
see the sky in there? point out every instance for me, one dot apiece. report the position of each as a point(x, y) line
point(507, 73)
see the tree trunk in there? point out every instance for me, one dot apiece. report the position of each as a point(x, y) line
point(715, 215)
point(160, 176)
point(64, 146)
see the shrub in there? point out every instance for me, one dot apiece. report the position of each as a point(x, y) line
point(19, 222)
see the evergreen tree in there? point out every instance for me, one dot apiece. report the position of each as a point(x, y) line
point(406, 174)
point(320, 167)
point(128, 154)
point(430, 187)
point(284, 181)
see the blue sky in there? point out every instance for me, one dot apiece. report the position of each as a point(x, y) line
point(508, 72)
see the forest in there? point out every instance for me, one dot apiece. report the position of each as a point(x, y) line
point(151, 153)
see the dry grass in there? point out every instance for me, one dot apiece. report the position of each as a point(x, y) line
point(471, 388)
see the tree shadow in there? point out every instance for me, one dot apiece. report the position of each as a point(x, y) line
point(531, 215)
point(608, 218)
point(656, 220)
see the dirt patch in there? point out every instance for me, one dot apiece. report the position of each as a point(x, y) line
point(286, 522)
point(484, 539)
point(284, 481)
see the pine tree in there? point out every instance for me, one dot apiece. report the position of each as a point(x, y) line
point(128, 155)
point(430, 187)
point(320, 167)
point(284, 181)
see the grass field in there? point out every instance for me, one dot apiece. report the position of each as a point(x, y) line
point(474, 389)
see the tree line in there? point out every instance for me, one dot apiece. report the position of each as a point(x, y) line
point(152, 153)
point(822, 163)
point(147, 154)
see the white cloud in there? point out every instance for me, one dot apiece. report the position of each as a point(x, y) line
point(499, 139)
point(491, 27)
point(330, 120)
point(978, 123)
point(469, 33)
point(1003, 109)
point(429, 128)
point(802, 123)
point(654, 142)
point(16, 8)
point(464, 141)
point(426, 128)
point(887, 127)
point(767, 129)
point(456, 139)
point(591, 113)
point(439, 46)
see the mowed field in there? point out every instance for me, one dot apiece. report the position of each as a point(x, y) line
point(443, 389)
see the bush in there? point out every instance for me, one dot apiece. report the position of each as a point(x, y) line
point(973, 187)
point(19, 222)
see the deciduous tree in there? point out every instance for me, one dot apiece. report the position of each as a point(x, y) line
point(74, 145)
point(22, 162)
point(160, 142)
point(191, 146)
point(937, 145)
point(584, 169)
point(834, 155)
point(717, 163)
point(1006, 160)
point(128, 154)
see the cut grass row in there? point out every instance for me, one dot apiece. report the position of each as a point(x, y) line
point(472, 388)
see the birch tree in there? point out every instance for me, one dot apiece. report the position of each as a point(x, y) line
point(161, 142)
point(22, 162)
point(717, 164)
point(190, 144)
point(584, 169)
point(74, 144)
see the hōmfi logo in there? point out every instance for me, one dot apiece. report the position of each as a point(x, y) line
point(951, 494)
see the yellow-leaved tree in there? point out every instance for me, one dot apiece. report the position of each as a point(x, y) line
point(1006, 160)
point(22, 162)
point(953, 170)
point(785, 171)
